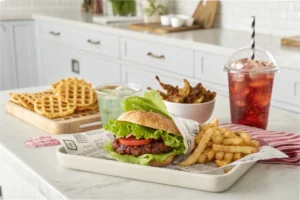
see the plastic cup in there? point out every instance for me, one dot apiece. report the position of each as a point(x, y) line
point(250, 87)
point(110, 97)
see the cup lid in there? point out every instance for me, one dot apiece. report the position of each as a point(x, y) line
point(240, 61)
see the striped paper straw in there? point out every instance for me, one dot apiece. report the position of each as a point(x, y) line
point(253, 38)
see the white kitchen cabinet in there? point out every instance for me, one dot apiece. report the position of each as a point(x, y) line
point(7, 69)
point(210, 67)
point(98, 70)
point(286, 90)
point(18, 63)
point(51, 63)
point(59, 62)
point(25, 53)
point(158, 56)
point(146, 78)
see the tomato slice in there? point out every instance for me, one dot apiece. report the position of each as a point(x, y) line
point(132, 141)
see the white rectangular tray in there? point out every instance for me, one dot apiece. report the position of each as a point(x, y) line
point(207, 182)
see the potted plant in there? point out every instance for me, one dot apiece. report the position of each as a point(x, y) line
point(152, 11)
point(123, 8)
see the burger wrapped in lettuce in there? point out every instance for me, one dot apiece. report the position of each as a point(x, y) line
point(145, 134)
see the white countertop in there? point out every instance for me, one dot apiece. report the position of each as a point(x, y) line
point(40, 168)
point(217, 41)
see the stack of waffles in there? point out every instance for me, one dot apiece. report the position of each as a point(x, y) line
point(66, 97)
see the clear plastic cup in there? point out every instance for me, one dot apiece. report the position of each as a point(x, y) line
point(110, 97)
point(250, 86)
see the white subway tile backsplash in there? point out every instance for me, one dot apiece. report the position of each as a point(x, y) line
point(285, 24)
point(297, 24)
point(272, 5)
point(292, 15)
point(297, 5)
point(279, 14)
point(30, 5)
point(272, 17)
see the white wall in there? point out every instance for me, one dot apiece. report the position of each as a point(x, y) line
point(24, 6)
point(272, 17)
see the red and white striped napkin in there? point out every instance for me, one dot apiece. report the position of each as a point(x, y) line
point(288, 143)
point(42, 141)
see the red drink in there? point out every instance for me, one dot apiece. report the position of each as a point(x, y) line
point(250, 97)
point(250, 87)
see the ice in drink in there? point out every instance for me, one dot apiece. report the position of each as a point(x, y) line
point(250, 89)
point(110, 98)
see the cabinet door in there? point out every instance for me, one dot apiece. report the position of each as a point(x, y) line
point(7, 70)
point(93, 69)
point(25, 53)
point(209, 67)
point(51, 63)
point(286, 90)
point(146, 78)
point(99, 71)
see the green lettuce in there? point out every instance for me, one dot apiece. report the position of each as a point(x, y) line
point(152, 102)
point(121, 129)
point(141, 160)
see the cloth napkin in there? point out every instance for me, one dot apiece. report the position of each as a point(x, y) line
point(42, 141)
point(288, 143)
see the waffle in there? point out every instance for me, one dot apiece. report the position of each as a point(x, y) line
point(78, 94)
point(68, 80)
point(93, 107)
point(53, 107)
point(14, 98)
point(27, 100)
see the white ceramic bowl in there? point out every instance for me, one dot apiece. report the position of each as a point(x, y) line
point(188, 21)
point(199, 112)
point(177, 22)
point(165, 20)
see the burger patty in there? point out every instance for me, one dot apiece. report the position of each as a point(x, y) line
point(155, 147)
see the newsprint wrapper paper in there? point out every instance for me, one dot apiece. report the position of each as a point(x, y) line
point(90, 144)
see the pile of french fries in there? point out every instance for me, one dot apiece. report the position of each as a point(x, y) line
point(220, 145)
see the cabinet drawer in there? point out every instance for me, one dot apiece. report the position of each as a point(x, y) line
point(92, 41)
point(146, 78)
point(210, 67)
point(163, 57)
point(50, 31)
point(287, 86)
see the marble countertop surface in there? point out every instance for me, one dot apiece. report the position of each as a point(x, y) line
point(216, 41)
point(40, 168)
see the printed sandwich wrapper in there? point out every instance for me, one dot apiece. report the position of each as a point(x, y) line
point(90, 144)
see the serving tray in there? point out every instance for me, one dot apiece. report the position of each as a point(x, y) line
point(75, 123)
point(213, 181)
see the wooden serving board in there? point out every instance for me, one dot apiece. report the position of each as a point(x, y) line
point(158, 28)
point(291, 41)
point(75, 123)
point(205, 13)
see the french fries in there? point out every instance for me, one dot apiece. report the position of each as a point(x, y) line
point(199, 136)
point(234, 149)
point(219, 155)
point(217, 138)
point(221, 145)
point(237, 156)
point(232, 141)
point(230, 134)
point(255, 143)
point(221, 163)
point(228, 157)
point(210, 155)
point(246, 137)
point(202, 159)
point(200, 148)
